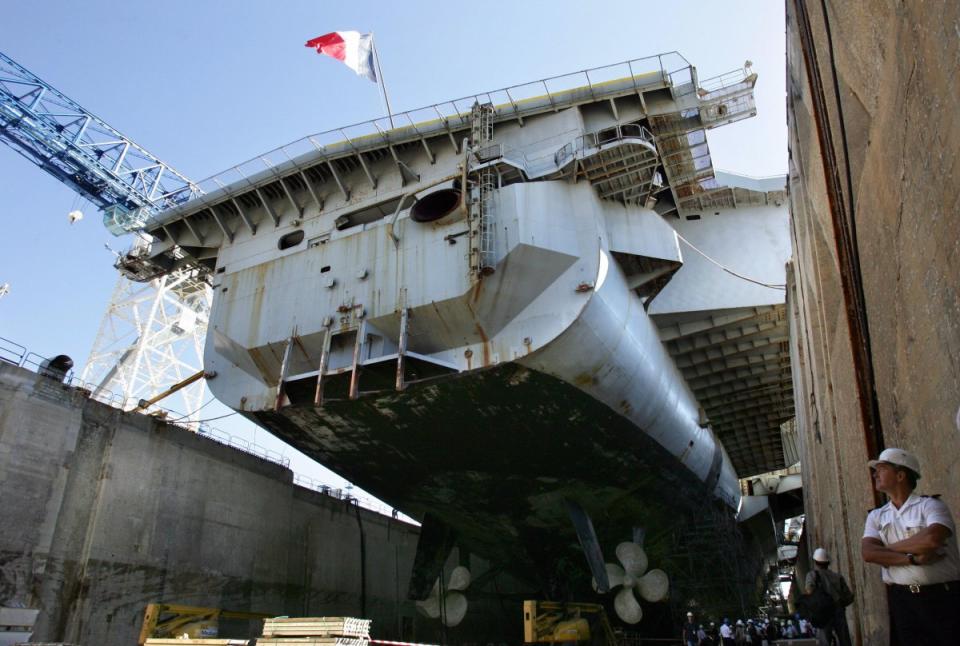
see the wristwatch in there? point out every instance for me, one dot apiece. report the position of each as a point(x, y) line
point(912, 559)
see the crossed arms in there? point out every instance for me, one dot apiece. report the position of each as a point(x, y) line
point(923, 545)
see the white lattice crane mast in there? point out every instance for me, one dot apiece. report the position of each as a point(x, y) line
point(153, 331)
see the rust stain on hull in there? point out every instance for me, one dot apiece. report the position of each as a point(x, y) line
point(486, 344)
point(477, 290)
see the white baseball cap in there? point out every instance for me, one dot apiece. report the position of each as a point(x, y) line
point(898, 457)
point(820, 555)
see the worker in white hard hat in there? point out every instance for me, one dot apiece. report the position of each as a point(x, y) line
point(913, 539)
point(689, 636)
point(833, 583)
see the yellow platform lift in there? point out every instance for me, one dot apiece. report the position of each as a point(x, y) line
point(554, 621)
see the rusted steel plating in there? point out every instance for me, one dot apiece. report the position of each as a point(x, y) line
point(283, 372)
point(402, 348)
point(324, 360)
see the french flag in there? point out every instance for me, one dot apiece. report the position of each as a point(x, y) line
point(352, 48)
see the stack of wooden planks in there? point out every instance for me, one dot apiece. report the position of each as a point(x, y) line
point(183, 641)
point(315, 631)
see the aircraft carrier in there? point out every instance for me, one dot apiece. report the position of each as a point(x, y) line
point(533, 318)
point(106, 512)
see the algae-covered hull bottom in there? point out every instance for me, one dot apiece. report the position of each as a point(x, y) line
point(494, 455)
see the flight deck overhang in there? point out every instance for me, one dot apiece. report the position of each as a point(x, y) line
point(383, 159)
point(449, 120)
point(729, 336)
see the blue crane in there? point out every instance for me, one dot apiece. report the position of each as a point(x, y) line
point(126, 182)
point(129, 185)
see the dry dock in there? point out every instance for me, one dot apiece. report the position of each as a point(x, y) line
point(102, 512)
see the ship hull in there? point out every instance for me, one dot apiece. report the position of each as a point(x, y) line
point(495, 455)
point(483, 359)
point(599, 416)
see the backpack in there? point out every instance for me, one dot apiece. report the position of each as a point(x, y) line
point(818, 606)
point(844, 594)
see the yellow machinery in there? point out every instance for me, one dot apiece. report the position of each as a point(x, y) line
point(168, 620)
point(554, 621)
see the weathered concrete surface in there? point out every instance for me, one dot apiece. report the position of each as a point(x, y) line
point(874, 144)
point(102, 512)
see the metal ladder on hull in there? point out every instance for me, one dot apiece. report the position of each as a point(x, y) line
point(482, 228)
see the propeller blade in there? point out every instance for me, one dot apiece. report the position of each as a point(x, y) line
point(615, 576)
point(429, 607)
point(459, 579)
point(455, 605)
point(654, 586)
point(633, 558)
point(627, 607)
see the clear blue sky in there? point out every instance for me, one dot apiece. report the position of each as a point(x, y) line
point(207, 85)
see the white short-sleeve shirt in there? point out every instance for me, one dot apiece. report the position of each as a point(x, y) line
point(889, 525)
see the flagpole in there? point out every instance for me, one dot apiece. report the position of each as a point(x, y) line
point(383, 86)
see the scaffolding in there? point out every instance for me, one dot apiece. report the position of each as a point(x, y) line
point(712, 567)
point(682, 134)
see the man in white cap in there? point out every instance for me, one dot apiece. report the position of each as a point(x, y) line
point(836, 586)
point(690, 632)
point(913, 538)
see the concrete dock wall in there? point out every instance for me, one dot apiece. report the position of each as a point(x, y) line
point(102, 512)
point(874, 288)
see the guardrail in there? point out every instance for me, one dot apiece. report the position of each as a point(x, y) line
point(346, 495)
point(725, 80)
point(544, 164)
point(11, 352)
point(236, 442)
point(603, 136)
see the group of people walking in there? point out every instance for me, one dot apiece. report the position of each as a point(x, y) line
point(752, 632)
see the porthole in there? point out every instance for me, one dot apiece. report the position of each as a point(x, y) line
point(290, 240)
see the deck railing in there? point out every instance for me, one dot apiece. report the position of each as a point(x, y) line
point(669, 67)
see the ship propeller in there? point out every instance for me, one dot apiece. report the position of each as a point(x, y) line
point(451, 606)
point(633, 578)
